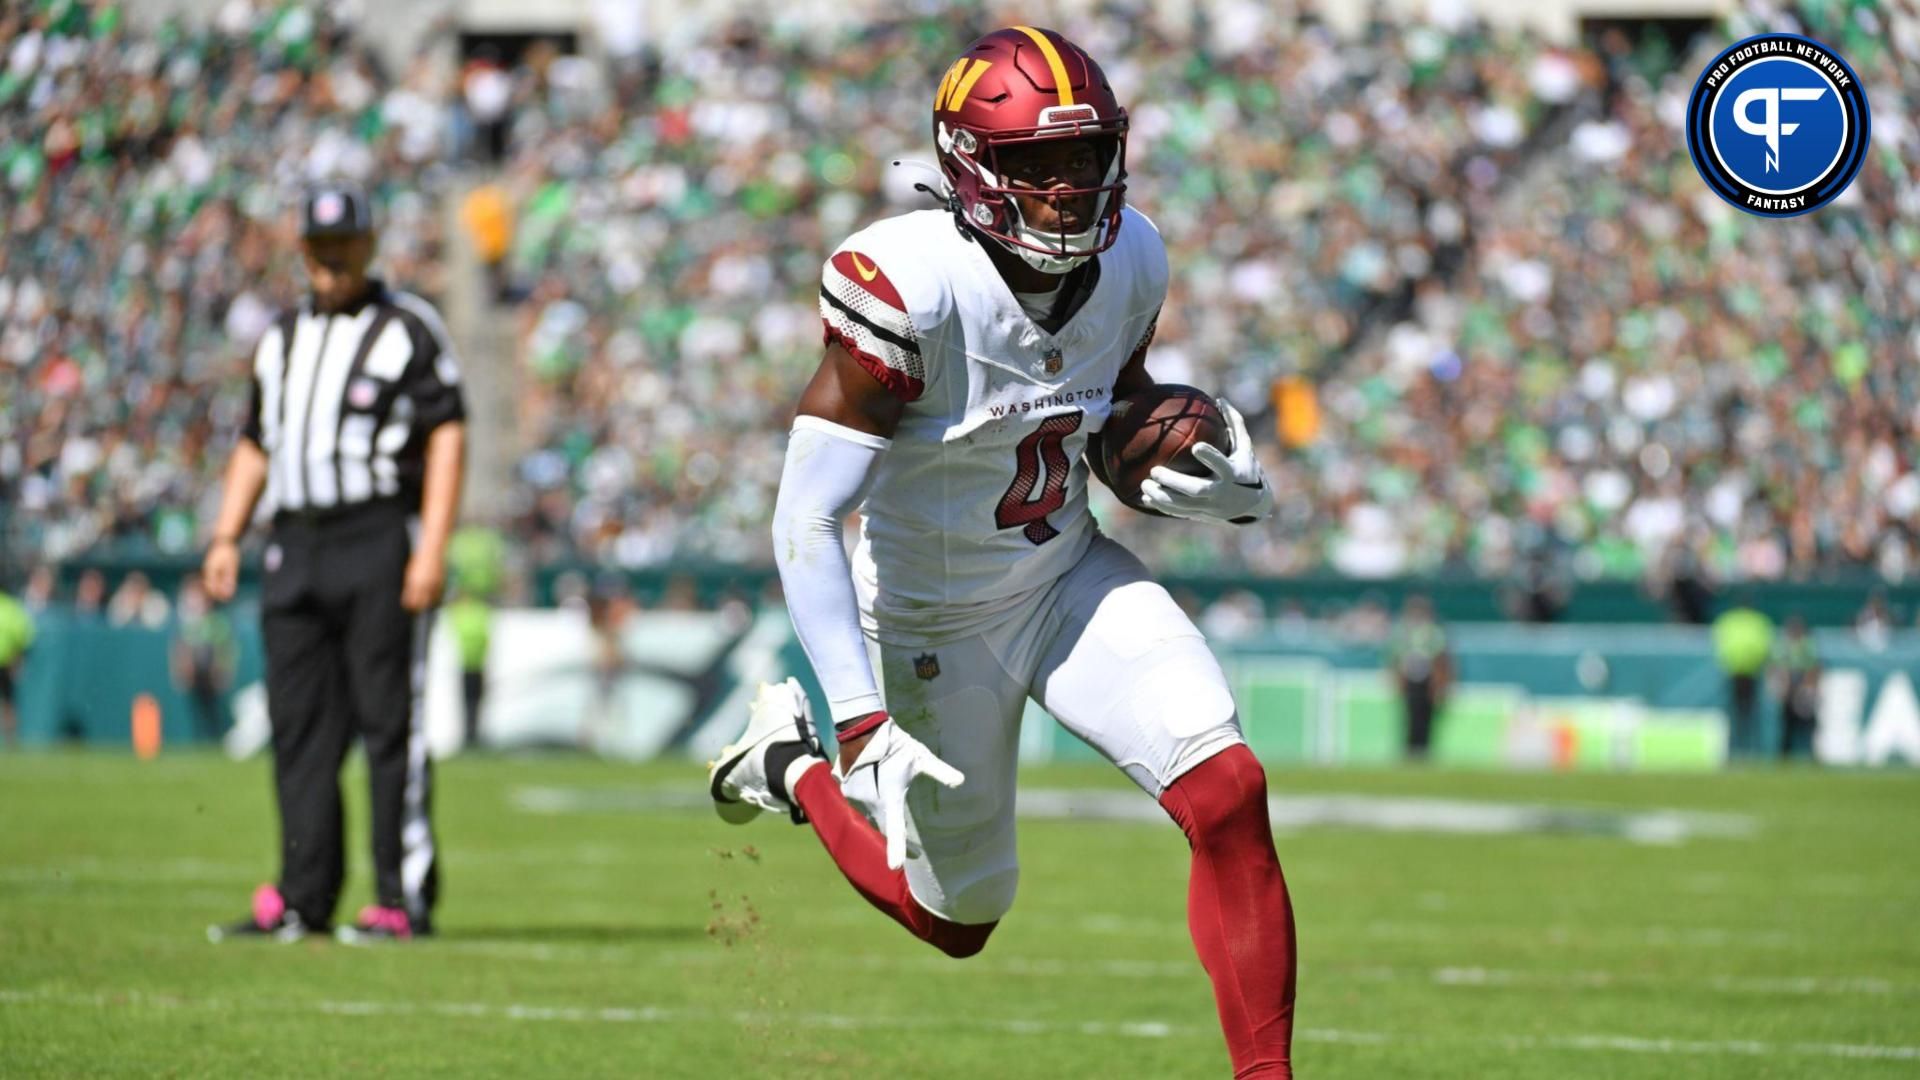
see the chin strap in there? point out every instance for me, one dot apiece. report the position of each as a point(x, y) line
point(1048, 262)
point(1065, 258)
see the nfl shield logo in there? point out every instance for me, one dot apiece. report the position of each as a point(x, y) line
point(1052, 360)
point(362, 393)
point(926, 666)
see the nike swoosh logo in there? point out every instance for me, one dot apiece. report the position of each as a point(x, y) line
point(867, 272)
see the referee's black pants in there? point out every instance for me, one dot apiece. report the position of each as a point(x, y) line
point(345, 658)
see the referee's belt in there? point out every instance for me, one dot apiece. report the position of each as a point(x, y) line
point(316, 517)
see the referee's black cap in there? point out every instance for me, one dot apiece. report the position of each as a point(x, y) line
point(336, 208)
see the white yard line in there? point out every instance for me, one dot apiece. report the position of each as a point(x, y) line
point(1710, 937)
point(1146, 1029)
point(1453, 976)
point(1730, 984)
point(93, 870)
point(192, 901)
point(1388, 813)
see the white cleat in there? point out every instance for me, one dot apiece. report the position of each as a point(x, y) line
point(756, 771)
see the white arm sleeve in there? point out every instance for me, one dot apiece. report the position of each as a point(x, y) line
point(827, 472)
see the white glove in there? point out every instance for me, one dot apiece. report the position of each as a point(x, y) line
point(1237, 492)
point(877, 782)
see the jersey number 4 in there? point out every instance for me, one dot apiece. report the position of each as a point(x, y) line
point(1018, 506)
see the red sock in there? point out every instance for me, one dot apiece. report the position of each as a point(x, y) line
point(860, 852)
point(1237, 908)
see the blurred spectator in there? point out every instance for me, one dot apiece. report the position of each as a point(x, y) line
point(90, 594)
point(477, 561)
point(1682, 582)
point(1422, 666)
point(1237, 614)
point(204, 657)
point(488, 218)
point(1742, 643)
point(1796, 664)
point(137, 603)
point(680, 594)
point(572, 593)
point(735, 611)
point(471, 619)
point(16, 637)
point(1874, 623)
point(1367, 622)
point(42, 584)
point(488, 92)
point(609, 606)
point(1292, 619)
point(1541, 594)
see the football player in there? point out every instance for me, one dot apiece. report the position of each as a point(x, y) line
point(971, 353)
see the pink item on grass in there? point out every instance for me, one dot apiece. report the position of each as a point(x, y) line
point(392, 920)
point(268, 907)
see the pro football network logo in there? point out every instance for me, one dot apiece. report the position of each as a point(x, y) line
point(1777, 125)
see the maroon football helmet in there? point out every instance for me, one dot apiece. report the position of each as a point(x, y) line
point(1020, 86)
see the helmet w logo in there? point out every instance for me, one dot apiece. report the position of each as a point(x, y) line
point(958, 83)
point(1011, 92)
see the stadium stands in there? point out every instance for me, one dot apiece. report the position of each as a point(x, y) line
point(1525, 329)
point(147, 175)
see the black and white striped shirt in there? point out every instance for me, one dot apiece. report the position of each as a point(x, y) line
point(343, 402)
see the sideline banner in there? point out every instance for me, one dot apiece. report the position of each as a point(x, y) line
point(1581, 697)
point(1577, 697)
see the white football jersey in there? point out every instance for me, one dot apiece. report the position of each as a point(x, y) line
point(983, 494)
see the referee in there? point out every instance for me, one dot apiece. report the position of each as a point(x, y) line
point(356, 436)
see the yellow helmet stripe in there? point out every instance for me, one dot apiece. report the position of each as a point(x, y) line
point(946, 83)
point(1054, 63)
point(965, 86)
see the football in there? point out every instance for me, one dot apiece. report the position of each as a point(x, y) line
point(1158, 426)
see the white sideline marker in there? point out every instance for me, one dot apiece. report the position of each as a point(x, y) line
point(1145, 1029)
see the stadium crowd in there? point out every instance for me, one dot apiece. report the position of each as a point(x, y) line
point(1632, 373)
point(1514, 325)
point(145, 176)
point(674, 260)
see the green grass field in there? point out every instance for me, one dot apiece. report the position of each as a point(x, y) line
point(592, 929)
